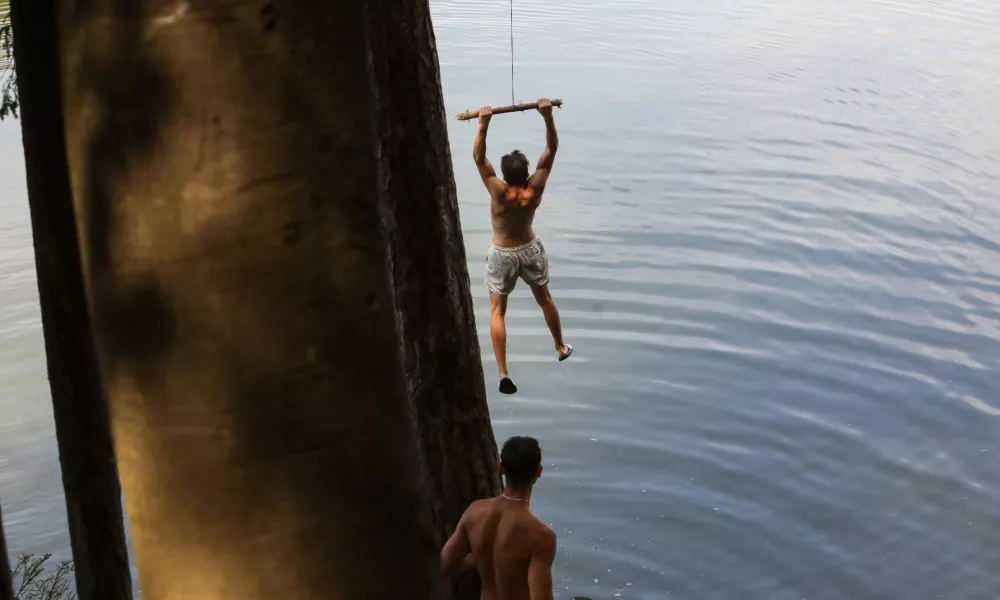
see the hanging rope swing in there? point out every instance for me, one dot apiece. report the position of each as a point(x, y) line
point(514, 106)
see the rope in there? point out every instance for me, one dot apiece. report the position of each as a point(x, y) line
point(512, 53)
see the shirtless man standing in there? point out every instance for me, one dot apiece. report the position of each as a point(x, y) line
point(516, 252)
point(501, 538)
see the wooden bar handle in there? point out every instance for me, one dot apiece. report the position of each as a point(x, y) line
point(474, 114)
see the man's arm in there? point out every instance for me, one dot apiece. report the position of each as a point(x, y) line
point(486, 171)
point(541, 176)
point(540, 567)
point(456, 556)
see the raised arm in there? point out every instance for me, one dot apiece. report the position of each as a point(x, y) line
point(540, 567)
point(486, 171)
point(541, 176)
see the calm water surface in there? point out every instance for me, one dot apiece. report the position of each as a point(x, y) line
point(773, 230)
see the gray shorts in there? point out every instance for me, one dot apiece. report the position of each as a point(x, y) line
point(505, 265)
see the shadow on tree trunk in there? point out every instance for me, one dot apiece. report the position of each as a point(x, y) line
point(224, 170)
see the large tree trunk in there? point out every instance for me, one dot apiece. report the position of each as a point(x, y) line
point(440, 347)
point(6, 588)
point(222, 165)
point(90, 480)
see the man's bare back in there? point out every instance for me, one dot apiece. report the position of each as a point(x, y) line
point(510, 548)
point(512, 213)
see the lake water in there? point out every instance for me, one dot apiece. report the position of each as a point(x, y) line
point(773, 233)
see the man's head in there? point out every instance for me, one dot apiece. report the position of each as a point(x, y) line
point(514, 167)
point(521, 461)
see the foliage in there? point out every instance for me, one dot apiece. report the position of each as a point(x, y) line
point(9, 100)
point(31, 582)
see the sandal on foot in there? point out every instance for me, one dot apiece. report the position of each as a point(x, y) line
point(507, 386)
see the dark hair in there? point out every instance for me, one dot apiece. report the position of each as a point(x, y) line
point(514, 167)
point(520, 457)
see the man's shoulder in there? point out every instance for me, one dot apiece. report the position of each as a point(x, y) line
point(531, 196)
point(497, 188)
point(480, 503)
point(543, 541)
point(543, 533)
point(547, 532)
point(476, 508)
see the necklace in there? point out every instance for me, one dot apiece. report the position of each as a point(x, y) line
point(509, 498)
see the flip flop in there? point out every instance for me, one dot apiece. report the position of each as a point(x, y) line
point(507, 386)
point(567, 354)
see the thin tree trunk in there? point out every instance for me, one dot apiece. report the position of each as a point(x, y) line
point(440, 346)
point(6, 585)
point(90, 480)
point(222, 162)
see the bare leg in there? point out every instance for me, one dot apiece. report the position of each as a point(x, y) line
point(498, 331)
point(544, 299)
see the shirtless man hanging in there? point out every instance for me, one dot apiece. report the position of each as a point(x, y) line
point(516, 252)
point(501, 538)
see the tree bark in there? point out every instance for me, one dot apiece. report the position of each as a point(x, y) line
point(222, 164)
point(90, 479)
point(440, 346)
point(6, 585)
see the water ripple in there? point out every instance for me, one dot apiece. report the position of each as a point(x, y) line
point(773, 239)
